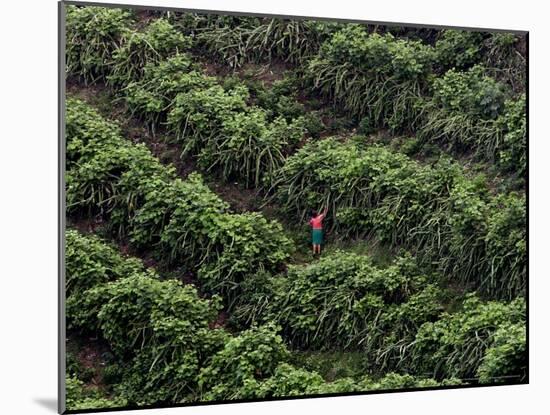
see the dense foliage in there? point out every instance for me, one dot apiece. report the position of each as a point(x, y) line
point(486, 339)
point(79, 397)
point(345, 301)
point(93, 34)
point(261, 40)
point(423, 176)
point(436, 210)
point(155, 43)
point(390, 82)
point(90, 262)
point(167, 351)
point(375, 76)
point(144, 200)
point(159, 330)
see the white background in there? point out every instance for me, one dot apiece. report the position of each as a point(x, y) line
point(28, 169)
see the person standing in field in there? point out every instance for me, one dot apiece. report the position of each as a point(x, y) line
point(316, 223)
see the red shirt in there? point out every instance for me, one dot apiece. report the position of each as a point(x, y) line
point(317, 222)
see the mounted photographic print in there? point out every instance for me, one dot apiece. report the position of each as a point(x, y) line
point(276, 207)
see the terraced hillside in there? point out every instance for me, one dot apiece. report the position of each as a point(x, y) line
point(196, 148)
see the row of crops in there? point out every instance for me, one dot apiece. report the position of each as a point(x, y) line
point(166, 348)
point(395, 315)
point(448, 218)
point(146, 201)
point(403, 317)
point(438, 211)
point(465, 91)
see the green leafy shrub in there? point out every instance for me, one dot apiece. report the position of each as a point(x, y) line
point(290, 381)
point(151, 96)
point(390, 381)
point(248, 147)
point(457, 344)
point(89, 262)
point(159, 331)
point(94, 184)
point(471, 92)
point(199, 113)
point(229, 136)
point(181, 216)
point(354, 182)
point(245, 360)
point(156, 42)
point(84, 126)
point(464, 114)
point(345, 301)
point(374, 76)
point(505, 360)
point(92, 35)
point(246, 243)
point(512, 151)
point(139, 306)
point(459, 49)
point(160, 328)
point(80, 398)
point(165, 326)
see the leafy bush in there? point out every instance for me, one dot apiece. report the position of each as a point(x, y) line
point(465, 113)
point(198, 114)
point(471, 92)
point(158, 41)
point(505, 360)
point(245, 360)
point(89, 262)
point(345, 301)
point(139, 307)
point(92, 35)
point(512, 124)
point(457, 344)
point(94, 184)
point(159, 330)
point(165, 326)
point(248, 147)
point(162, 328)
point(151, 96)
point(246, 243)
point(502, 54)
point(80, 398)
point(179, 216)
point(459, 49)
point(86, 131)
point(380, 77)
point(289, 381)
point(227, 135)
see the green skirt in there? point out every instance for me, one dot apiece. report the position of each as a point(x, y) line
point(317, 236)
